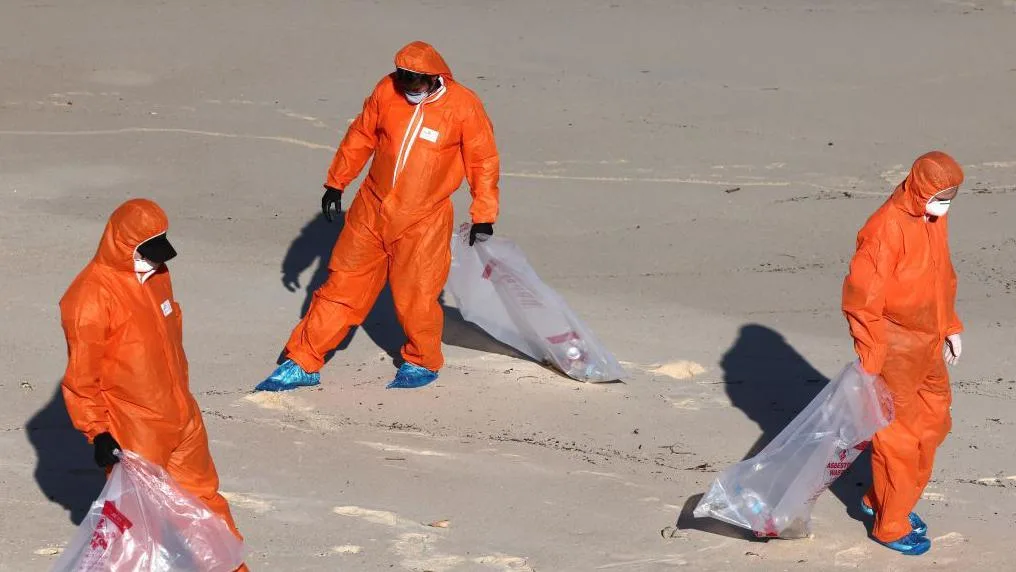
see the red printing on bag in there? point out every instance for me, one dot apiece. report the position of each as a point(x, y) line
point(110, 511)
point(769, 530)
point(835, 469)
point(565, 337)
point(99, 536)
point(488, 269)
point(102, 536)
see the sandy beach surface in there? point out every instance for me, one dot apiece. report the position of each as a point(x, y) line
point(690, 176)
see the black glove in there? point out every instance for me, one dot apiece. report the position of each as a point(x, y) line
point(105, 444)
point(480, 228)
point(291, 282)
point(330, 198)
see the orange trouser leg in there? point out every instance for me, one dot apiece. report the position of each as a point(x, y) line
point(935, 397)
point(421, 259)
point(191, 466)
point(903, 453)
point(358, 269)
point(894, 459)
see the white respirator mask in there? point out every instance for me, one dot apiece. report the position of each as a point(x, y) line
point(937, 208)
point(416, 97)
point(142, 266)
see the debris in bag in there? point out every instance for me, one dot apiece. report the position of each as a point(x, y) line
point(495, 288)
point(145, 521)
point(772, 493)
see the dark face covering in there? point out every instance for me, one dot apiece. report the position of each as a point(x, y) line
point(157, 249)
point(414, 84)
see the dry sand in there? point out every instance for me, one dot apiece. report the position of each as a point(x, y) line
point(690, 176)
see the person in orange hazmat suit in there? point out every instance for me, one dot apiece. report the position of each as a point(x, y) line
point(899, 300)
point(126, 382)
point(425, 132)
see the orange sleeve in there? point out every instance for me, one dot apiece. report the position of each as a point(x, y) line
point(357, 146)
point(955, 325)
point(864, 296)
point(479, 153)
point(85, 319)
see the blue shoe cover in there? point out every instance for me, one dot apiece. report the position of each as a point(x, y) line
point(288, 376)
point(910, 545)
point(410, 376)
point(917, 525)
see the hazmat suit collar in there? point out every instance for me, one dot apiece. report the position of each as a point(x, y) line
point(131, 224)
point(437, 93)
point(144, 269)
point(931, 174)
point(142, 278)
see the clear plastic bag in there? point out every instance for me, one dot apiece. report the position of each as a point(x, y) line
point(495, 288)
point(773, 493)
point(144, 522)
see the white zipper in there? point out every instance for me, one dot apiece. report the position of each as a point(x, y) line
point(400, 159)
point(409, 149)
point(413, 131)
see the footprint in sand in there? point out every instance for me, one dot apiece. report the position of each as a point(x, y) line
point(680, 369)
point(382, 517)
point(347, 549)
point(277, 401)
point(851, 557)
point(950, 539)
point(686, 403)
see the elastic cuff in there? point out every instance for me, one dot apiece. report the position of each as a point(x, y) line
point(432, 363)
point(91, 435)
point(887, 533)
point(304, 361)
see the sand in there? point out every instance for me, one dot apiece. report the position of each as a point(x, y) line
point(690, 176)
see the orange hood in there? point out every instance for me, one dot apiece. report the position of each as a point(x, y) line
point(931, 174)
point(131, 224)
point(421, 57)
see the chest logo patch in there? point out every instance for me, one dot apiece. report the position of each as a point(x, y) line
point(428, 134)
point(167, 308)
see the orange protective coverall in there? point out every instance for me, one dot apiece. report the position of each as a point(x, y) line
point(126, 370)
point(899, 302)
point(399, 226)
